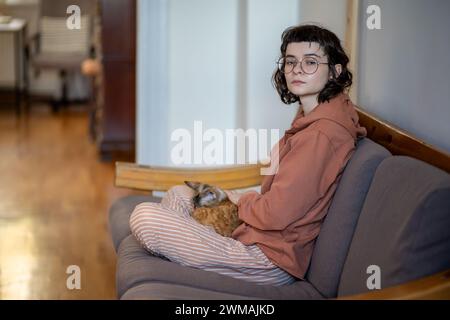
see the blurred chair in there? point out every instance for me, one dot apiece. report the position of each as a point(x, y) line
point(56, 47)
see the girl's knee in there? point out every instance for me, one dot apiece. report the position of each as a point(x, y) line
point(182, 190)
point(179, 199)
point(142, 215)
point(143, 225)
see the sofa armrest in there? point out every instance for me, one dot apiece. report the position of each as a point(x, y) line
point(150, 178)
point(436, 286)
point(401, 142)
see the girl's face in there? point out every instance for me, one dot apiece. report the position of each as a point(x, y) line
point(302, 84)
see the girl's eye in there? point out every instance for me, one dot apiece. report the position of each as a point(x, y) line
point(311, 62)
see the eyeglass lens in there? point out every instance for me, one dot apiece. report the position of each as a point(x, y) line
point(308, 65)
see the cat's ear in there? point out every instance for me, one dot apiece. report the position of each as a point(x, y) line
point(193, 184)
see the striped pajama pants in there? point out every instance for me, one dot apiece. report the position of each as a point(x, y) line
point(167, 229)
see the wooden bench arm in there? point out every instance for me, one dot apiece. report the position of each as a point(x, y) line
point(435, 287)
point(152, 178)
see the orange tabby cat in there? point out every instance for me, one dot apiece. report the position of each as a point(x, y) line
point(213, 208)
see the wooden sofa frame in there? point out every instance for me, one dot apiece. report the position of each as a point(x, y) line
point(398, 142)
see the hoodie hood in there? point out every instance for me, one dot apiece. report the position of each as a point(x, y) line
point(339, 109)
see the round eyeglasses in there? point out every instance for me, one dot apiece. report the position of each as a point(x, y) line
point(308, 65)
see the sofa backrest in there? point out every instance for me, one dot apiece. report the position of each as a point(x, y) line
point(403, 232)
point(338, 227)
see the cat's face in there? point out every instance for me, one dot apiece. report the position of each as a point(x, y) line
point(205, 194)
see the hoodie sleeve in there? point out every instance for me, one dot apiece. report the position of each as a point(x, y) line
point(304, 175)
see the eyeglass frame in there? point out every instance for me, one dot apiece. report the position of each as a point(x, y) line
point(317, 64)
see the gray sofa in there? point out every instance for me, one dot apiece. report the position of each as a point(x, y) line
point(388, 211)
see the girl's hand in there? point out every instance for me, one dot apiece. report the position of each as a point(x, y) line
point(233, 195)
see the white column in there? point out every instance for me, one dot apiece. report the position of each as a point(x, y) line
point(152, 82)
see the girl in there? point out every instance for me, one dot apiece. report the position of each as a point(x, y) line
point(275, 243)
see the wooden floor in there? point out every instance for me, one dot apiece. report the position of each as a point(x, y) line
point(54, 199)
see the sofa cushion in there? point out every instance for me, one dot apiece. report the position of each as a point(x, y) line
point(338, 227)
point(403, 228)
point(135, 266)
point(119, 216)
point(158, 291)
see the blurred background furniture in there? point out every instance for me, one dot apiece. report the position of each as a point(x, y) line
point(57, 47)
point(107, 45)
point(18, 29)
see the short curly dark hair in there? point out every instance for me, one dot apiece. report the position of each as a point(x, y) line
point(331, 46)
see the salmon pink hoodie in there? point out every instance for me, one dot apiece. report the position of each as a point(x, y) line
point(285, 219)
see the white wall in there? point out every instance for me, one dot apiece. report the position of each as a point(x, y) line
point(152, 135)
point(331, 14)
point(202, 64)
point(404, 67)
point(186, 71)
point(264, 109)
